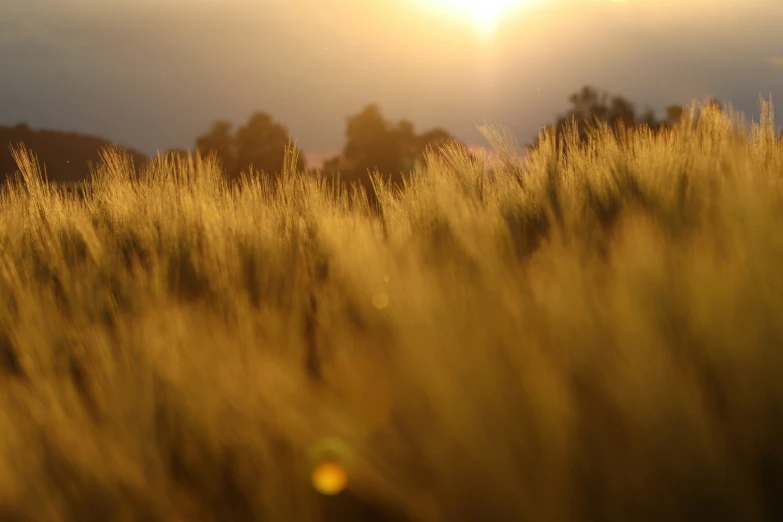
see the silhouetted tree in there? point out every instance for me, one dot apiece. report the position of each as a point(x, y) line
point(674, 113)
point(622, 111)
point(589, 108)
point(374, 143)
point(435, 139)
point(219, 141)
point(261, 143)
point(371, 143)
point(334, 164)
point(648, 118)
point(407, 140)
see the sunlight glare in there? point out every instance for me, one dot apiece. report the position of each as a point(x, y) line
point(484, 15)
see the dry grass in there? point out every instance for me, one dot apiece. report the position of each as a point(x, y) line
point(590, 338)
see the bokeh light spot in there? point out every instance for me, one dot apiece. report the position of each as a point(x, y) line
point(329, 477)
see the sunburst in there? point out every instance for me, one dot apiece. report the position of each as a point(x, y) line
point(484, 15)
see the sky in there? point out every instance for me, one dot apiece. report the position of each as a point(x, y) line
point(154, 74)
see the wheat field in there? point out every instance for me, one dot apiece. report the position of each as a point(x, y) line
point(594, 336)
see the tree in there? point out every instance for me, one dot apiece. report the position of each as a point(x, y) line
point(219, 141)
point(371, 143)
point(622, 112)
point(334, 164)
point(674, 113)
point(374, 143)
point(407, 140)
point(589, 108)
point(435, 139)
point(261, 144)
point(412, 147)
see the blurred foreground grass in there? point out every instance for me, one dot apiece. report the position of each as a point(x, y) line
point(590, 337)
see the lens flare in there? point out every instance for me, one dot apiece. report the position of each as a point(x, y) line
point(330, 460)
point(329, 477)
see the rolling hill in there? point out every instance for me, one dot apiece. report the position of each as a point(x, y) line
point(66, 156)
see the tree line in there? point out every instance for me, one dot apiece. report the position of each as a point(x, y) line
point(372, 142)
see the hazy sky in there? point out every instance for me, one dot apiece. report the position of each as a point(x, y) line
point(153, 74)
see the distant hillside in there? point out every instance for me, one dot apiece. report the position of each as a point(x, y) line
point(66, 155)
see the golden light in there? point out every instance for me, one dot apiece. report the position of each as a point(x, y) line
point(380, 300)
point(329, 477)
point(330, 461)
point(484, 15)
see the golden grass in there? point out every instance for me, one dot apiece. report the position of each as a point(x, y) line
point(594, 337)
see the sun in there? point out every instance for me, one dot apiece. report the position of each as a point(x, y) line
point(484, 15)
